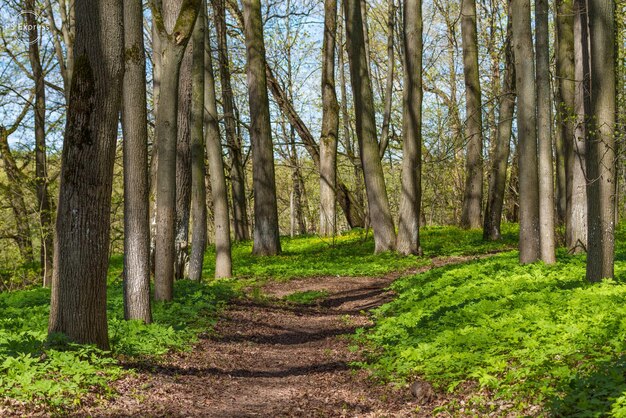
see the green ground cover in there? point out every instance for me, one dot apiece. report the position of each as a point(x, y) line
point(533, 333)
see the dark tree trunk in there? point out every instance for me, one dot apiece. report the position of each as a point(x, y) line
point(198, 170)
point(219, 194)
point(378, 203)
point(237, 175)
point(473, 195)
point(497, 180)
point(266, 233)
point(410, 201)
point(136, 202)
point(391, 59)
point(78, 304)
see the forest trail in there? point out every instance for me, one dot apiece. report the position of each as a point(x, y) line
point(269, 359)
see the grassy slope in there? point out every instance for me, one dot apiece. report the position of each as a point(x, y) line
point(534, 333)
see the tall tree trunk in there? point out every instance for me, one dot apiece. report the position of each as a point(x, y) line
point(237, 174)
point(497, 181)
point(219, 193)
point(576, 221)
point(378, 203)
point(23, 236)
point(601, 142)
point(136, 202)
point(183, 166)
point(41, 163)
point(198, 170)
point(330, 124)
point(473, 195)
point(78, 303)
point(564, 56)
point(384, 137)
point(266, 233)
point(173, 41)
point(544, 134)
point(527, 134)
point(410, 201)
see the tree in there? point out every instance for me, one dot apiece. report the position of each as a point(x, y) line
point(78, 303)
point(601, 142)
point(237, 175)
point(380, 216)
point(473, 195)
point(391, 60)
point(41, 165)
point(136, 202)
point(330, 124)
point(544, 134)
point(527, 135)
point(198, 170)
point(266, 233)
point(497, 179)
point(223, 259)
point(173, 41)
point(408, 241)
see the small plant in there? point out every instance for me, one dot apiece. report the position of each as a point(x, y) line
point(307, 297)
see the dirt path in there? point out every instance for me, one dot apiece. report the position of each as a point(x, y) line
point(270, 359)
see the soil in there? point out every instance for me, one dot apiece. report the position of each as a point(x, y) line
point(268, 358)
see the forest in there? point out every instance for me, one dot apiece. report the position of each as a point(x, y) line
point(368, 208)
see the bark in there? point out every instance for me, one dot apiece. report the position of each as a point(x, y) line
point(330, 124)
point(544, 135)
point(183, 167)
point(601, 142)
point(410, 199)
point(237, 174)
point(172, 43)
point(473, 195)
point(378, 203)
point(63, 39)
point(384, 136)
point(41, 163)
point(219, 193)
point(497, 180)
point(527, 136)
point(564, 57)
point(15, 192)
point(198, 170)
point(576, 221)
point(136, 202)
point(266, 233)
point(78, 302)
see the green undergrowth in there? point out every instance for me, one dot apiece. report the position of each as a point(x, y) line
point(530, 335)
point(60, 374)
point(308, 297)
point(352, 254)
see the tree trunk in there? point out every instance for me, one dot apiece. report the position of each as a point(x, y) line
point(497, 181)
point(564, 56)
point(136, 202)
point(198, 170)
point(410, 200)
point(601, 142)
point(473, 195)
point(172, 51)
point(378, 203)
point(576, 220)
point(183, 166)
point(219, 193)
point(78, 303)
point(330, 125)
point(41, 164)
point(527, 135)
point(237, 174)
point(384, 137)
point(266, 233)
point(544, 134)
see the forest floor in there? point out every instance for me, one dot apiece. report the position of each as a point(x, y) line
point(267, 357)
